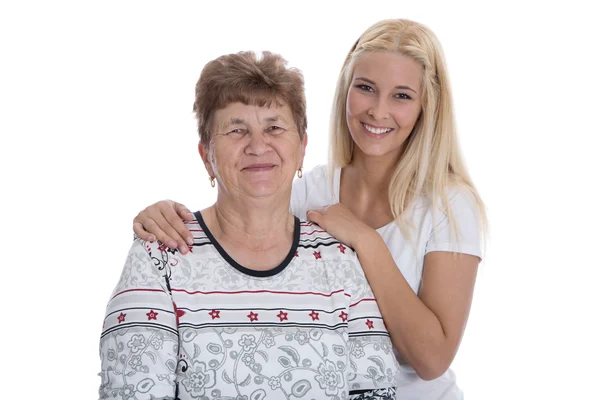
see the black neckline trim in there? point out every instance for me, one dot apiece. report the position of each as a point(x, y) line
point(252, 272)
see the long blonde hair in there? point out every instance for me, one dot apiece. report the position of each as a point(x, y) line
point(431, 163)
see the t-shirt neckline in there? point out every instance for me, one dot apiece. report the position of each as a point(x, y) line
point(252, 272)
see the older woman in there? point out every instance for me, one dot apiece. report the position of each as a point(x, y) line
point(263, 305)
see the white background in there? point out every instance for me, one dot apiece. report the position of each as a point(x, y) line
point(96, 123)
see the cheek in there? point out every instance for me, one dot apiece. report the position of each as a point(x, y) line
point(356, 104)
point(225, 156)
point(288, 150)
point(407, 116)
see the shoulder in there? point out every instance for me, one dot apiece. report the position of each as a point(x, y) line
point(146, 263)
point(317, 173)
point(316, 239)
point(464, 209)
point(462, 198)
point(318, 178)
point(317, 245)
point(457, 226)
point(314, 190)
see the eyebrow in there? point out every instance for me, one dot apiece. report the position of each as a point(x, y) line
point(272, 119)
point(240, 121)
point(401, 87)
point(237, 121)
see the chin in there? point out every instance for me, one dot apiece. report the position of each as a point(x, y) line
point(262, 190)
point(373, 149)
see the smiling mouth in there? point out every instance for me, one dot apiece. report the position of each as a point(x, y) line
point(259, 167)
point(375, 130)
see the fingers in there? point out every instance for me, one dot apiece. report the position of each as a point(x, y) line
point(140, 232)
point(183, 212)
point(160, 221)
point(186, 215)
point(314, 216)
point(147, 224)
point(168, 226)
point(173, 216)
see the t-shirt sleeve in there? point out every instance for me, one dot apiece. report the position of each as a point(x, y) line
point(468, 233)
point(299, 199)
point(373, 369)
point(312, 191)
point(139, 341)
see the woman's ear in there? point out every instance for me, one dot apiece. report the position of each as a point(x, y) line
point(204, 154)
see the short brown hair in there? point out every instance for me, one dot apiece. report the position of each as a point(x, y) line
point(245, 78)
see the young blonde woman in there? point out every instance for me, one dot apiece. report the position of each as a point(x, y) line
point(398, 192)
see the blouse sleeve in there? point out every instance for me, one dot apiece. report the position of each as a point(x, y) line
point(468, 232)
point(373, 368)
point(139, 341)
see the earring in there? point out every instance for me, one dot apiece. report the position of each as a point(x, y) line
point(212, 181)
point(300, 172)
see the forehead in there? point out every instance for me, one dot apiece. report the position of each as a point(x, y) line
point(252, 114)
point(389, 69)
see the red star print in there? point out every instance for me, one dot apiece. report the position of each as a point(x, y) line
point(121, 317)
point(297, 254)
point(317, 255)
point(369, 324)
point(162, 247)
point(314, 315)
point(282, 316)
point(178, 313)
point(191, 248)
point(253, 316)
point(344, 316)
point(342, 248)
point(215, 314)
point(152, 315)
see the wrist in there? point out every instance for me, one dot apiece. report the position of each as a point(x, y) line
point(365, 239)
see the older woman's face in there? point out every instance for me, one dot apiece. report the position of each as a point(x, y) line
point(254, 151)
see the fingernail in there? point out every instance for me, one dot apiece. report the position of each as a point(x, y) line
point(151, 239)
point(183, 249)
point(172, 245)
point(190, 241)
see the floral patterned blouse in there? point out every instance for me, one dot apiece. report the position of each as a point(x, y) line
point(202, 326)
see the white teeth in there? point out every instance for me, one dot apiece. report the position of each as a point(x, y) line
point(377, 131)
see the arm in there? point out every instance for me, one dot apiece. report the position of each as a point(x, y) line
point(426, 329)
point(139, 341)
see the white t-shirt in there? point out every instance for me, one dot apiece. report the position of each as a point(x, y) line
point(316, 189)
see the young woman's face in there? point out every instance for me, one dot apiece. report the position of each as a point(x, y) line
point(383, 102)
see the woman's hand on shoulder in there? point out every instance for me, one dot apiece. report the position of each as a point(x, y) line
point(340, 223)
point(164, 221)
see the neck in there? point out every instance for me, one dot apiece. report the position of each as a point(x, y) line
point(255, 225)
point(372, 173)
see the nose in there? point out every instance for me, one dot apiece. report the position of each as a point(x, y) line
point(258, 144)
point(379, 109)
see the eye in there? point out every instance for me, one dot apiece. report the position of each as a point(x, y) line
point(274, 129)
point(402, 96)
point(238, 131)
point(364, 88)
